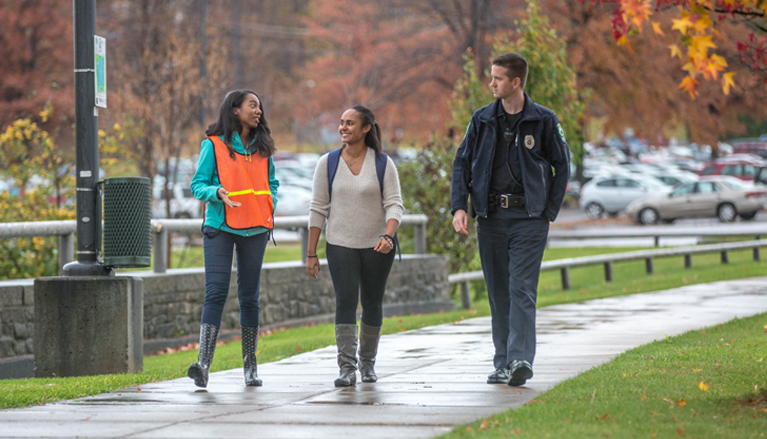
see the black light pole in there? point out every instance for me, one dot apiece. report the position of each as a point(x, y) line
point(87, 151)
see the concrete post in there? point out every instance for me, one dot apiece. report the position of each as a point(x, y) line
point(304, 232)
point(88, 326)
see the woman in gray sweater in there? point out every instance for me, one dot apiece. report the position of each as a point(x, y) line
point(361, 224)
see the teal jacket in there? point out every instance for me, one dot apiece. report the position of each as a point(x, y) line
point(205, 184)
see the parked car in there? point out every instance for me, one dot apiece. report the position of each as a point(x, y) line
point(672, 179)
point(742, 169)
point(293, 200)
point(612, 194)
point(182, 203)
point(723, 199)
point(758, 148)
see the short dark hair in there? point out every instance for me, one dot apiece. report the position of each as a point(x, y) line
point(515, 65)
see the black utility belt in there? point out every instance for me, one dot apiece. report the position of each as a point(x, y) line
point(506, 201)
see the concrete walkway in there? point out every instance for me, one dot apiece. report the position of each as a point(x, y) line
point(430, 380)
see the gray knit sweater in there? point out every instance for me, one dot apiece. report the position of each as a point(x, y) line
point(358, 214)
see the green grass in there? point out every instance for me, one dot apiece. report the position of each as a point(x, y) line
point(702, 384)
point(587, 283)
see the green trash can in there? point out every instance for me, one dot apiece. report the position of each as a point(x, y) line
point(127, 234)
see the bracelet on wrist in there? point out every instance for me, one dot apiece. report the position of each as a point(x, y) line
point(311, 256)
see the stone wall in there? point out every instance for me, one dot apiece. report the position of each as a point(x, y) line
point(173, 303)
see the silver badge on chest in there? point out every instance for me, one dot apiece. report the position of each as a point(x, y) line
point(529, 141)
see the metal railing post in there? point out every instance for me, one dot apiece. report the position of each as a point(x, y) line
point(66, 250)
point(304, 232)
point(565, 278)
point(465, 294)
point(608, 271)
point(725, 257)
point(161, 250)
point(688, 261)
point(420, 239)
point(649, 266)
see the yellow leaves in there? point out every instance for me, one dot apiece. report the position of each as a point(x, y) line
point(697, 370)
point(703, 386)
point(727, 82)
point(675, 52)
point(688, 84)
point(681, 403)
point(682, 25)
point(700, 45)
point(656, 28)
point(636, 12)
point(625, 41)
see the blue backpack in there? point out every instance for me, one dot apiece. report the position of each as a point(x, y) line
point(381, 161)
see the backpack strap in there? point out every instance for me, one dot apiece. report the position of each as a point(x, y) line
point(381, 161)
point(333, 159)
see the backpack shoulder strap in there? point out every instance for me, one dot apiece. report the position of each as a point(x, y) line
point(381, 161)
point(333, 159)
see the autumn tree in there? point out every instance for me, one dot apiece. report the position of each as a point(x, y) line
point(696, 27)
point(398, 58)
point(638, 90)
point(37, 63)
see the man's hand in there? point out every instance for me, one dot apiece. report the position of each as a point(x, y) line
point(461, 221)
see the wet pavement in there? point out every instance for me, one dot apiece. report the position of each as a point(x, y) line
point(430, 380)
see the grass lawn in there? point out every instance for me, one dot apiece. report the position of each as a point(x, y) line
point(702, 384)
point(587, 283)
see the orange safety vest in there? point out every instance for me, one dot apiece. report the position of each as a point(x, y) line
point(246, 177)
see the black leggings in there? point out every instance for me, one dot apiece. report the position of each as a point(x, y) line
point(359, 273)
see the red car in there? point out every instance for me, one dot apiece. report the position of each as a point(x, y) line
point(742, 169)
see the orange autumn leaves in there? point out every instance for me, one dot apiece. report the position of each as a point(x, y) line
point(696, 28)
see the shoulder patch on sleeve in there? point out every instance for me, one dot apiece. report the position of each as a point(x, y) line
point(561, 132)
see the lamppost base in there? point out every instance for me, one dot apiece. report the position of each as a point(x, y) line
point(78, 268)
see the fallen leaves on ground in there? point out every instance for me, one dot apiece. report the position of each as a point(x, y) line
point(703, 386)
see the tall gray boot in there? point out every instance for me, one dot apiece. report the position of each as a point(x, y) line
point(199, 371)
point(249, 363)
point(369, 336)
point(346, 341)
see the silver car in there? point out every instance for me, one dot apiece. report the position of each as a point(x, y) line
point(723, 199)
point(612, 194)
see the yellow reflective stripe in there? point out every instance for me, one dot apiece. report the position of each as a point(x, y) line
point(249, 191)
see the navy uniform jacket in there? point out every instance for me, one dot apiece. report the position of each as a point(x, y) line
point(541, 145)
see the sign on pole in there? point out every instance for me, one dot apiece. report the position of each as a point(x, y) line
point(100, 44)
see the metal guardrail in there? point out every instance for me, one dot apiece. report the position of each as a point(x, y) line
point(65, 230)
point(564, 265)
point(755, 231)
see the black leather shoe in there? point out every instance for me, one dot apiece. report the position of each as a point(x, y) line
point(498, 376)
point(521, 371)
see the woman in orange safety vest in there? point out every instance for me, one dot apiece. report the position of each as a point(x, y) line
point(235, 178)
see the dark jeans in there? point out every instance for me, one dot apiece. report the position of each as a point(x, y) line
point(511, 250)
point(219, 248)
point(359, 274)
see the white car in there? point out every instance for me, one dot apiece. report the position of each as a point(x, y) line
point(611, 194)
point(182, 203)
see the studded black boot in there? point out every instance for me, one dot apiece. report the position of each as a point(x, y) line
point(199, 371)
point(249, 364)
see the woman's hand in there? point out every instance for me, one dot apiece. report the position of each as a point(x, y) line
point(223, 195)
point(383, 245)
point(313, 264)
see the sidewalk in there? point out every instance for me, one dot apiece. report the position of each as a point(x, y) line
point(430, 380)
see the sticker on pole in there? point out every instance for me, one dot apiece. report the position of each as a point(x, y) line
point(100, 64)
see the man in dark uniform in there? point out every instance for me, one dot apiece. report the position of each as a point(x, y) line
point(515, 163)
